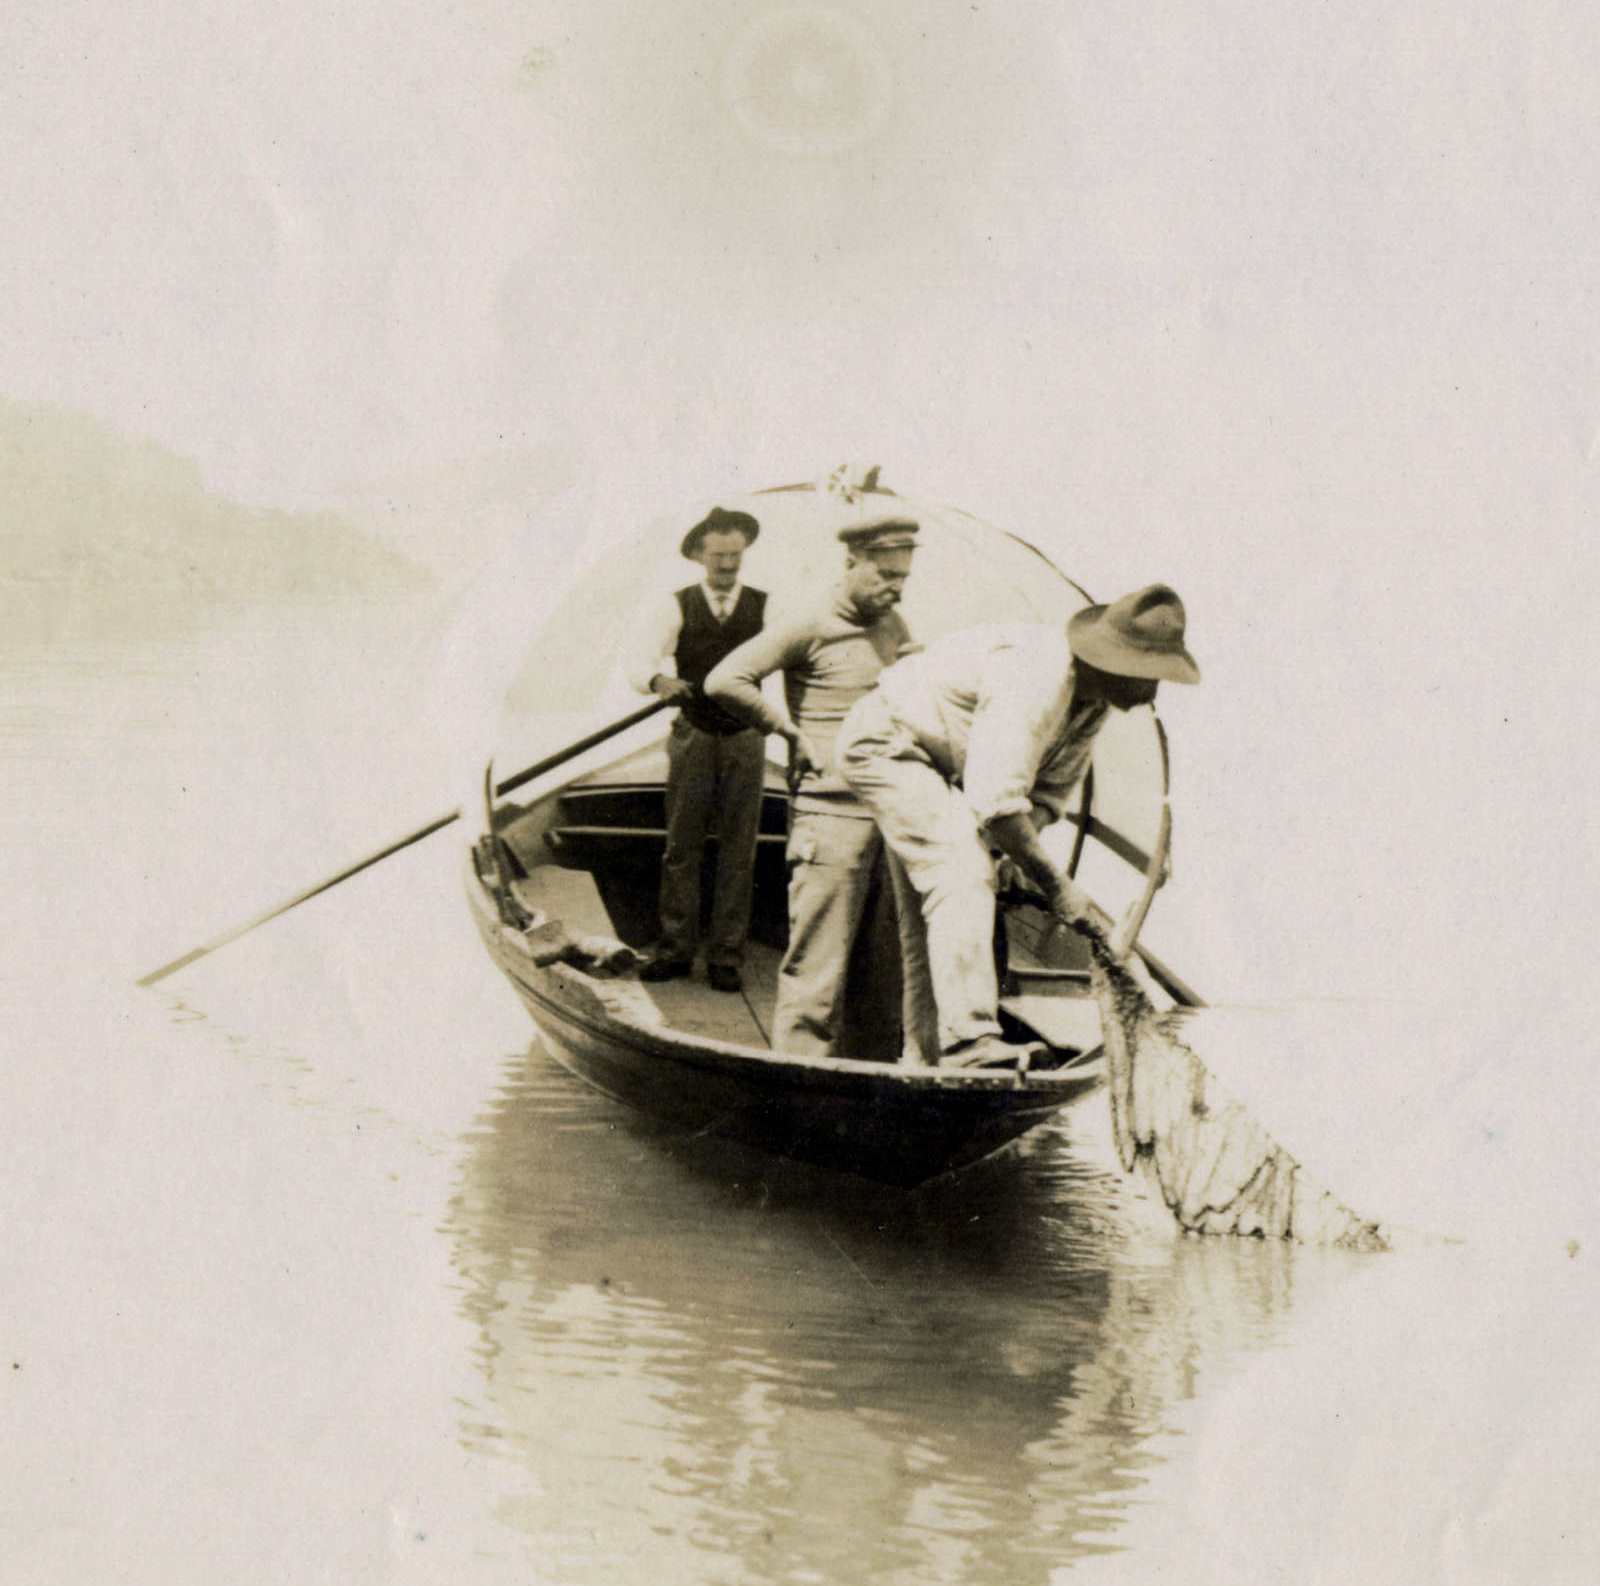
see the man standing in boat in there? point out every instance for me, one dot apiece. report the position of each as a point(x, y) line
point(716, 764)
point(974, 745)
point(830, 652)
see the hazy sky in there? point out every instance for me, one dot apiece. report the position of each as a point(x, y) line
point(1292, 306)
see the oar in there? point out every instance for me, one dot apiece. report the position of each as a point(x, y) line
point(549, 763)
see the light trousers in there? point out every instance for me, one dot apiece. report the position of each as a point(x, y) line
point(830, 1002)
point(942, 874)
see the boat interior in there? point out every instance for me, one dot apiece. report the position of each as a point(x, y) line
point(587, 857)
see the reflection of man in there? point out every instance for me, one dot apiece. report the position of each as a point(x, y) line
point(976, 744)
point(830, 653)
point(715, 762)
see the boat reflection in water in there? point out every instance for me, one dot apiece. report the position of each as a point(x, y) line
point(709, 1365)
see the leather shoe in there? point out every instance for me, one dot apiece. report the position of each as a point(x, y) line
point(723, 977)
point(664, 968)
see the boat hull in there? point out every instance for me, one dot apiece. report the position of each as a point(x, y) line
point(892, 1124)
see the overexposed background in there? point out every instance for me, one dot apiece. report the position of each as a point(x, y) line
point(1293, 308)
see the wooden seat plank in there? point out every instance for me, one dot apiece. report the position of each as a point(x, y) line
point(1068, 1022)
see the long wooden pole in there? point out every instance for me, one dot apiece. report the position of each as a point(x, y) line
point(1126, 936)
point(511, 783)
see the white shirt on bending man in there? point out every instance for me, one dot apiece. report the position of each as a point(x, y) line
point(975, 744)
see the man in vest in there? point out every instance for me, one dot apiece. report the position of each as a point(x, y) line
point(830, 650)
point(716, 764)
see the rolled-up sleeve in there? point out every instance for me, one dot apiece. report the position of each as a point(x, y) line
point(651, 654)
point(735, 681)
point(1024, 695)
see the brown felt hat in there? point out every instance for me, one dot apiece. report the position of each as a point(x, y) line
point(1140, 635)
point(719, 521)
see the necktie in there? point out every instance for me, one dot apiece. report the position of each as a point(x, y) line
point(719, 608)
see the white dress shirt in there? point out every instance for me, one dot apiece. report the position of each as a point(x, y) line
point(993, 709)
point(653, 653)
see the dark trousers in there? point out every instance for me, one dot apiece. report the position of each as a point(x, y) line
point(714, 783)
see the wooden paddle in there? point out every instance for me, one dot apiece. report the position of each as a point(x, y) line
point(511, 783)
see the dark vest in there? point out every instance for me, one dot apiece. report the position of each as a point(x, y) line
point(703, 641)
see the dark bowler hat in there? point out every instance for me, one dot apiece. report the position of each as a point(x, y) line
point(880, 531)
point(1140, 635)
point(719, 521)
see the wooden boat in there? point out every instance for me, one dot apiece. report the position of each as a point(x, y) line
point(562, 890)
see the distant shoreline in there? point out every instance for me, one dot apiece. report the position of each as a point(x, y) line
point(107, 532)
point(37, 612)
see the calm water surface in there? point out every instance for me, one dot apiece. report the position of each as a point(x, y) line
point(320, 1270)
